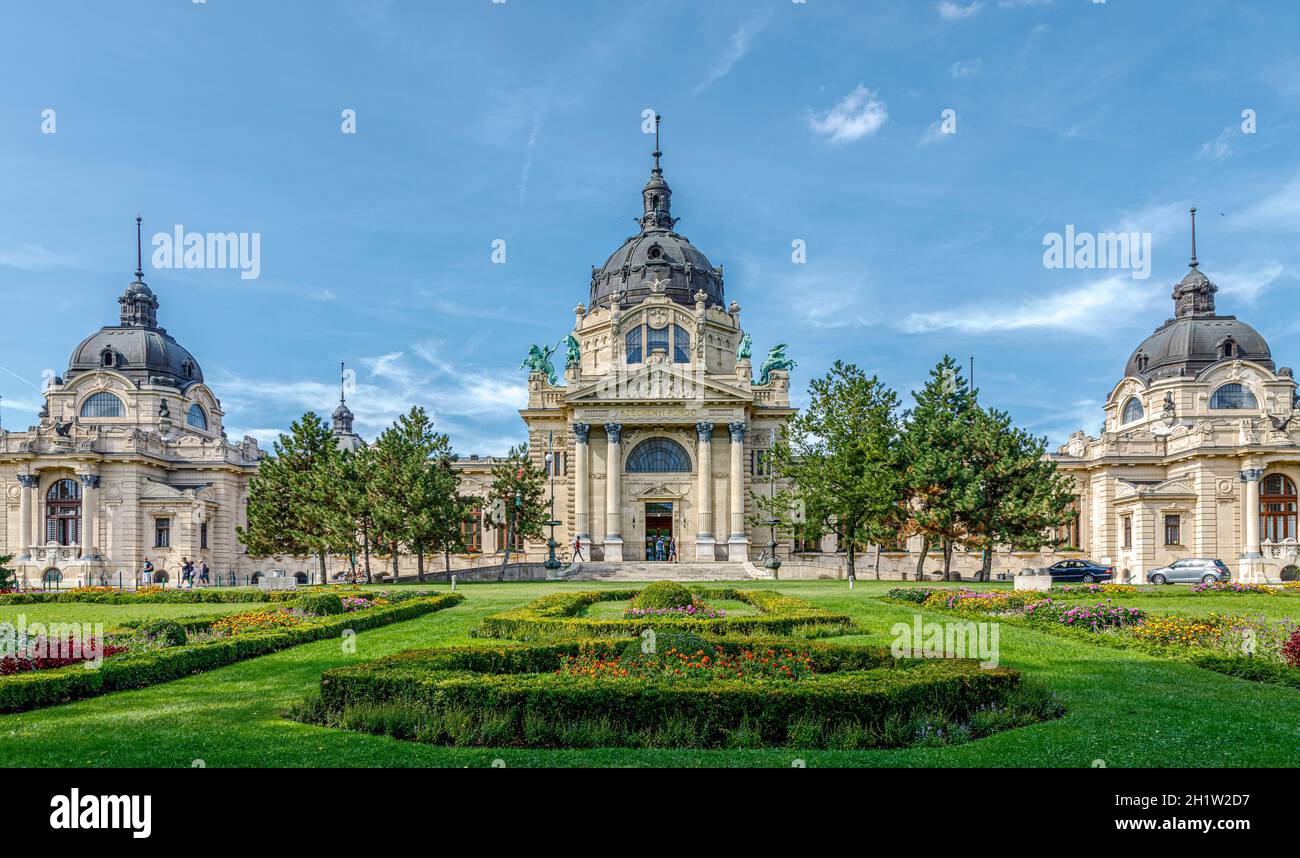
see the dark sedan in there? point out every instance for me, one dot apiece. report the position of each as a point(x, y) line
point(1080, 570)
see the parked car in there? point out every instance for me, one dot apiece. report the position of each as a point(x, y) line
point(1080, 570)
point(1191, 570)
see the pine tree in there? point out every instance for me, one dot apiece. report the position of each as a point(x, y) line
point(351, 477)
point(292, 500)
point(518, 499)
point(8, 577)
point(839, 459)
point(943, 479)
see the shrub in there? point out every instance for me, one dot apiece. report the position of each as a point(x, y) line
point(166, 632)
point(513, 695)
point(320, 604)
point(915, 595)
point(665, 641)
point(558, 615)
point(663, 594)
point(1291, 649)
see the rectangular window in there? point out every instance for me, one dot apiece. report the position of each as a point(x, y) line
point(557, 463)
point(203, 535)
point(517, 539)
point(1126, 524)
point(1173, 530)
point(633, 343)
point(681, 345)
point(471, 534)
point(162, 533)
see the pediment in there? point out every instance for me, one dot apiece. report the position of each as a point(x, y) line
point(1178, 487)
point(658, 383)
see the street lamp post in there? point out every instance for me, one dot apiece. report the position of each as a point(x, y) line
point(552, 562)
point(773, 562)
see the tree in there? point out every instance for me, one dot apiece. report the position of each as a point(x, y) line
point(352, 474)
point(1024, 496)
point(293, 501)
point(518, 500)
point(942, 476)
point(412, 488)
point(8, 577)
point(839, 460)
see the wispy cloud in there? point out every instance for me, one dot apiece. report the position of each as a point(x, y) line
point(1221, 147)
point(1246, 286)
point(1278, 210)
point(859, 114)
point(950, 11)
point(1088, 308)
point(34, 257)
point(741, 41)
point(933, 134)
point(965, 68)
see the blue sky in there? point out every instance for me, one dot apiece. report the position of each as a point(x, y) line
point(521, 121)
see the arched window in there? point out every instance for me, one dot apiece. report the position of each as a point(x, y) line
point(681, 345)
point(106, 358)
point(197, 417)
point(658, 456)
point(657, 341)
point(1233, 397)
point(1277, 508)
point(103, 405)
point(1132, 410)
point(1228, 348)
point(63, 512)
point(633, 342)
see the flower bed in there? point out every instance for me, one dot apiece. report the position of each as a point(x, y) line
point(149, 665)
point(582, 693)
point(1236, 587)
point(1096, 617)
point(559, 615)
point(695, 611)
point(1075, 591)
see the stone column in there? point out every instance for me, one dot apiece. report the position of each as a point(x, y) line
point(613, 492)
point(581, 527)
point(89, 484)
point(738, 540)
point(26, 495)
point(704, 539)
point(1251, 555)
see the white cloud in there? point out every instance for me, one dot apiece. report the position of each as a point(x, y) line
point(33, 257)
point(950, 11)
point(965, 68)
point(933, 134)
point(1277, 210)
point(859, 114)
point(1221, 147)
point(741, 41)
point(1089, 308)
point(1246, 286)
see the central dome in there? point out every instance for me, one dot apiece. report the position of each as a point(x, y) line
point(137, 347)
point(658, 259)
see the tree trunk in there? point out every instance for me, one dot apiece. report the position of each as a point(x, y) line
point(877, 561)
point(853, 575)
point(365, 541)
point(505, 558)
point(419, 562)
point(324, 575)
point(986, 566)
point(446, 561)
point(925, 552)
point(947, 559)
point(396, 558)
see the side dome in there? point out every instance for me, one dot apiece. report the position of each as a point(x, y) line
point(137, 347)
point(1197, 336)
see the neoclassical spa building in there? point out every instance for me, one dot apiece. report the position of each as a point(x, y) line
point(1199, 456)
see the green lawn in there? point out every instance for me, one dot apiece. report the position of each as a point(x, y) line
point(1126, 708)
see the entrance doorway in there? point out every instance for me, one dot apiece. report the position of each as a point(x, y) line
point(658, 525)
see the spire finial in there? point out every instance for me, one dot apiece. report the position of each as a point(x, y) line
point(343, 375)
point(658, 171)
point(139, 257)
point(1194, 236)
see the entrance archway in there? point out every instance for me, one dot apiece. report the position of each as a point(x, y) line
point(51, 578)
point(1289, 573)
point(160, 577)
point(658, 526)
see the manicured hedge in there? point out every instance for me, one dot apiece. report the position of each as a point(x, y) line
point(165, 597)
point(557, 615)
point(516, 690)
point(48, 687)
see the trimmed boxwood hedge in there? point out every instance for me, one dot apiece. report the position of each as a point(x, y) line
point(165, 597)
point(515, 688)
point(557, 615)
point(137, 670)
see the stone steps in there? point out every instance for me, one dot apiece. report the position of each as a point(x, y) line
point(595, 571)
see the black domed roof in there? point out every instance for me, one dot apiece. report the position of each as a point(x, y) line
point(1196, 337)
point(658, 259)
point(137, 347)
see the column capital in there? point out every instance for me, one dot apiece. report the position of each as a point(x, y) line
point(1251, 475)
point(28, 481)
point(90, 481)
point(581, 431)
point(614, 431)
point(704, 431)
point(737, 430)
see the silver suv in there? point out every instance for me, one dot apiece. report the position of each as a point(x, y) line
point(1203, 570)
